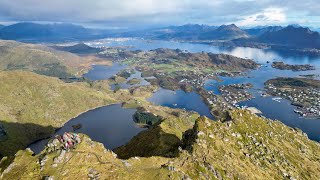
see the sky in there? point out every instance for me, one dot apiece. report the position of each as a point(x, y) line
point(134, 13)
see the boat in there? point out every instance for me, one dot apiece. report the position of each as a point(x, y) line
point(277, 99)
point(244, 107)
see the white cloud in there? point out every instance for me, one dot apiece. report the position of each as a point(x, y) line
point(86, 10)
point(268, 16)
point(251, 12)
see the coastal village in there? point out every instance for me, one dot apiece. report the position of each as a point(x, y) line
point(234, 93)
point(172, 72)
point(307, 100)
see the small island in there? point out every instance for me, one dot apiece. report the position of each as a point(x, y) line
point(283, 66)
point(145, 119)
point(302, 92)
point(311, 76)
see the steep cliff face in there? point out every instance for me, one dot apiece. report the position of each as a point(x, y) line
point(245, 147)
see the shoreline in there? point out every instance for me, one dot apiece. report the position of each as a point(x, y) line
point(57, 129)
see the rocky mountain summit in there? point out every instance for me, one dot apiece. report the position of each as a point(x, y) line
point(243, 147)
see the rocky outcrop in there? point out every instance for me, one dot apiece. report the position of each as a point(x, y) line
point(244, 147)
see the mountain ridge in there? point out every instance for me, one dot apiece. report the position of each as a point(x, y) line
point(245, 147)
point(224, 32)
point(257, 31)
point(292, 36)
point(27, 31)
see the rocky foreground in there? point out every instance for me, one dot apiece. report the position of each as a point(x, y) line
point(244, 147)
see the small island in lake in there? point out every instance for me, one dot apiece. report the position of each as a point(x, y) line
point(283, 66)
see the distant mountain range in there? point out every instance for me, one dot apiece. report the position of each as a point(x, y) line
point(257, 31)
point(224, 32)
point(192, 32)
point(48, 32)
point(185, 32)
point(292, 35)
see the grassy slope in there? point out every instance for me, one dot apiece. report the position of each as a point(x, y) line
point(250, 148)
point(31, 57)
point(32, 105)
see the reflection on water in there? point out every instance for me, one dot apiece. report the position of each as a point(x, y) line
point(256, 77)
point(99, 72)
point(180, 99)
point(136, 75)
point(111, 125)
point(259, 55)
point(282, 111)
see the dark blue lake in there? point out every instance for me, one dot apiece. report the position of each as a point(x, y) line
point(111, 125)
point(100, 72)
point(180, 99)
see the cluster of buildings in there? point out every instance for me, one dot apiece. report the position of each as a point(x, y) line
point(307, 100)
point(235, 93)
point(215, 100)
point(197, 80)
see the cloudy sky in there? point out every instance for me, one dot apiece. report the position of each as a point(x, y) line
point(163, 12)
